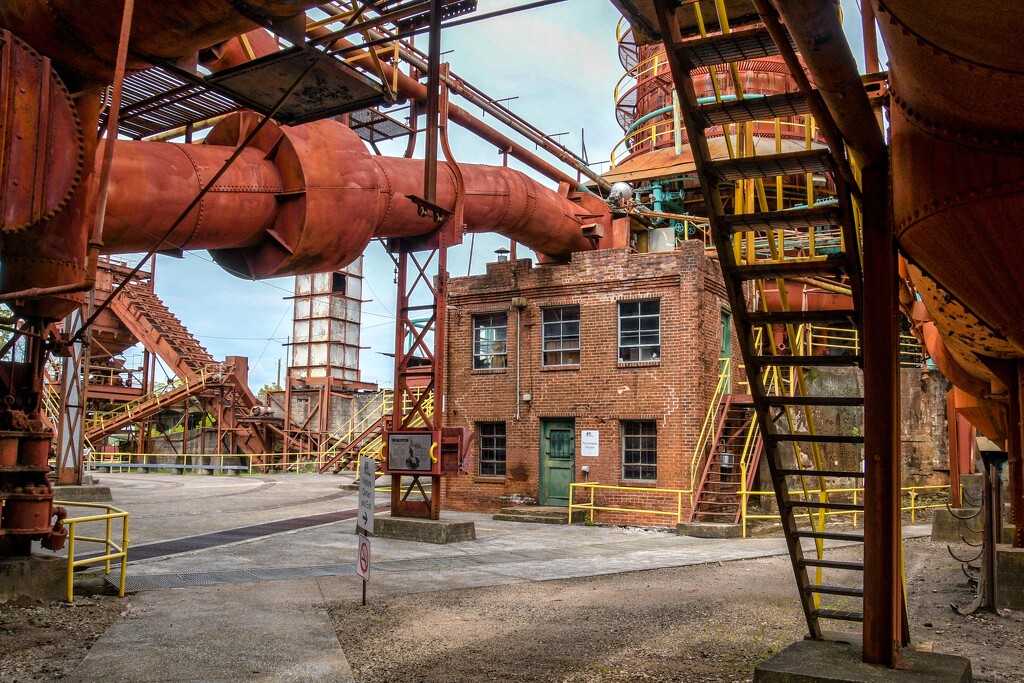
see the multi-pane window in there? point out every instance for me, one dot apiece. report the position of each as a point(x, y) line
point(492, 449)
point(640, 450)
point(561, 335)
point(490, 341)
point(639, 330)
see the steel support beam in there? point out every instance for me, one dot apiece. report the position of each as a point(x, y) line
point(883, 631)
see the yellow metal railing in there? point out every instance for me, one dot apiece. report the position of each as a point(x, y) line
point(121, 462)
point(592, 506)
point(848, 339)
point(111, 549)
point(157, 397)
point(855, 494)
point(707, 429)
point(361, 420)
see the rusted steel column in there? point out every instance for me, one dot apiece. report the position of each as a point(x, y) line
point(953, 438)
point(818, 34)
point(1014, 446)
point(883, 590)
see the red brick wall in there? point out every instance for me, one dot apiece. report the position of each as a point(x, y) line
point(600, 392)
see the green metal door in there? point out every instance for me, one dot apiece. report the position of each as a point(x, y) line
point(557, 460)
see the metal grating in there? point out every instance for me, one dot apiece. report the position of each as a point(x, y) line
point(156, 101)
point(374, 125)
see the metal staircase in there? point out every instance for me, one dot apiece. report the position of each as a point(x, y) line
point(102, 425)
point(222, 394)
point(760, 245)
point(732, 463)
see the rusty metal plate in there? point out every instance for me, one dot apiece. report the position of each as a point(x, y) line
point(41, 143)
point(331, 88)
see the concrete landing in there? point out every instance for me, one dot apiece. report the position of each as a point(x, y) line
point(438, 531)
point(812, 661)
point(90, 493)
point(39, 578)
point(277, 631)
point(709, 530)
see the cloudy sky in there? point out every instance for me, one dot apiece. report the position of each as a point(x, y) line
point(561, 64)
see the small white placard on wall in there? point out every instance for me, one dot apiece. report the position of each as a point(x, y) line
point(590, 442)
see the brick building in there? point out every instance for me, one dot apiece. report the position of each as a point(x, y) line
point(606, 363)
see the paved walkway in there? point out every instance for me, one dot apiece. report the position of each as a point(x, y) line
point(252, 610)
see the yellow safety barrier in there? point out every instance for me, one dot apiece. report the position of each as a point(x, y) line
point(122, 461)
point(592, 506)
point(856, 493)
point(112, 550)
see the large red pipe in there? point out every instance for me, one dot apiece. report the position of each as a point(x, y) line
point(310, 198)
point(83, 36)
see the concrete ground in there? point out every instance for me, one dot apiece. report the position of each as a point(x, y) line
point(256, 602)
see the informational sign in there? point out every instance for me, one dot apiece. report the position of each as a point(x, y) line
point(363, 564)
point(590, 442)
point(367, 483)
point(409, 452)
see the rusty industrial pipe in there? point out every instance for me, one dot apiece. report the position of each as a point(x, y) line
point(310, 198)
point(79, 37)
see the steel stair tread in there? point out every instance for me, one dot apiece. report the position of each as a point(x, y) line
point(831, 564)
point(819, 473)
point(847, 591)
point(770, 165)
point(751, 108)
point(798, 317)
point(830, 535)
point(850, 401)
point(792, 219)
point(824, 505)
point(838, 615)
point(739, 45)
point(816, 438)
point(808, 360)
point(794, 268)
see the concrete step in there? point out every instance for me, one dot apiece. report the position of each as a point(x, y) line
point(548, 514)
point(534, 519)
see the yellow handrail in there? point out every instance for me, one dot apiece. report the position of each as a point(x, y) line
point(911, 491)
point(361, 420)
point(707, 429)
point(100, 419)
point(592, 506)
point(111, 550)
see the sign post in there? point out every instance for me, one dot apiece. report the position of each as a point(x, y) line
point(364, 517)
point(363, 565)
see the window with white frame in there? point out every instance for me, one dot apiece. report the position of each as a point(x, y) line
point(639, 330)
point(561, 336)
point(492, 449)
point(490, 341)
point(640, 450)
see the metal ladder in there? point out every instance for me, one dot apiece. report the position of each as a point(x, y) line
point(753, 252)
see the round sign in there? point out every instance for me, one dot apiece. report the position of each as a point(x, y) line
point(364, 556)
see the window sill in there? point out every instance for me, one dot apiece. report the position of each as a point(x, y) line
point(639, 363)
point(489, 371)
point(639, 483)
point(559, 368)
point(486, 479)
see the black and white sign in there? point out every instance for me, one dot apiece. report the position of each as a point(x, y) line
point(590, 442)
point(367, 483)
point(409, 452)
